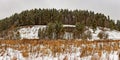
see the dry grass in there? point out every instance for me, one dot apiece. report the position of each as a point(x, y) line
point(59, 46)
point(25, 54)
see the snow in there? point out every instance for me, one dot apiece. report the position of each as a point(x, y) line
point(68, 25)
point(94, 35)
point(30, 32)
point(114, 34)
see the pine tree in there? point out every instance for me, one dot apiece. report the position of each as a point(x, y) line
point(58, 30)
point(50, 30)
point(79, 30)
point(118, 25)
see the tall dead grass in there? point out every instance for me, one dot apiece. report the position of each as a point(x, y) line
point(57, 47)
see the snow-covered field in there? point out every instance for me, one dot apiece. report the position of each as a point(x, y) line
point(32, 32)
point(58, 50)
point(11, 54)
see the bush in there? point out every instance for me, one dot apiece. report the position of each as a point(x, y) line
point(42, 33)
point(103, 35)
point(18, 35)
point(87, 35)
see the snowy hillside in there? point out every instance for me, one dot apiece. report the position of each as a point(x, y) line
point(112, 34)
point(32, 32)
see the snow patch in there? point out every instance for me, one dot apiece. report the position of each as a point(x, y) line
point(10, 54)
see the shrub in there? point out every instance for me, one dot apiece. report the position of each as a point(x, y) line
point(87, 35)
point(42, 33)
point(18, 35)
point(103, 35)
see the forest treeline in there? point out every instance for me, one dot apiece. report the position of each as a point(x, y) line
point(45, 16)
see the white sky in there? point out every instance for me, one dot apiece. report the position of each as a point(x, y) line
point(107, 7)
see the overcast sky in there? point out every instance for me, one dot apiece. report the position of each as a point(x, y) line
point(107, 7)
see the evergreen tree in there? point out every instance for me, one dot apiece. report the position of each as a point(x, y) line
point(118, 25)
point(79, 30)
point(59, 31)
point(50, 30)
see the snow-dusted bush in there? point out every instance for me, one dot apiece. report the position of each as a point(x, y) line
point(102, 35)
point(87, 35)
